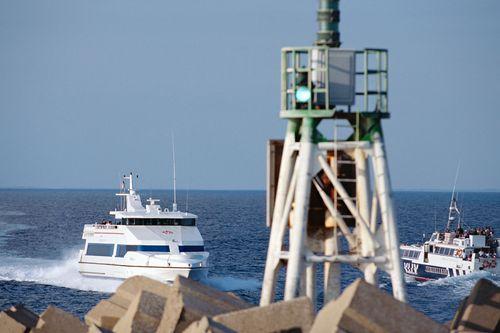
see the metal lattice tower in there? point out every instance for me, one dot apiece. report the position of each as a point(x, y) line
point(332, 194)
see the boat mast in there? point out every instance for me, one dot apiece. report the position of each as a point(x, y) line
point(131, 182)
point(454, 212)
point(174, 205)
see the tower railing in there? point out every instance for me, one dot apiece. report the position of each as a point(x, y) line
point(313, 86)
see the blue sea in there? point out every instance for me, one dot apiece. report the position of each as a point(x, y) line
point(40, 236)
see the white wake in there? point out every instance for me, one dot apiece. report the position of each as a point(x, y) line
point(62, 273)
point(228, 283)
point(463, 284)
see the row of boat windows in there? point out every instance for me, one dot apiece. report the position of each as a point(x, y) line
point(411, 254)
point(445, 251)
point(141, 221)
point(107, 250)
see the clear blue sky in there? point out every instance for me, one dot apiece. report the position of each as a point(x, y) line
point(92, 89)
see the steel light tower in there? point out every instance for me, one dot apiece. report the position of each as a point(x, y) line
point(329, 196)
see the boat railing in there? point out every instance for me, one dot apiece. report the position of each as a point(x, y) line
point(100, 226)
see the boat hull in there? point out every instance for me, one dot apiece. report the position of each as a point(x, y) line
point(163, 274)
point(425, 272)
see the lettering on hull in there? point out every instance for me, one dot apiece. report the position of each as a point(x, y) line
point(410, 268)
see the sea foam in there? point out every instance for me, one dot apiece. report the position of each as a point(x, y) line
point(64, 273)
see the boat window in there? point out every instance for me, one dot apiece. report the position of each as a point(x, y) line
point(122, 249)
point(149, 221)
point(191, 248)
point(103, 250)
point(153, 248)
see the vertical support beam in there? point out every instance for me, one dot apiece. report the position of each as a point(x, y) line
point(299, 224)
point(374, 213)
point(311, 283)
point(273, 263)
point(287, 161)
point(363, 202)
point(284, 196)
point(331, 270)
point(383, 186)
point(362, 196)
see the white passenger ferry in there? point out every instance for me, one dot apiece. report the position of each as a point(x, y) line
point(452, 253)
point(148, 241)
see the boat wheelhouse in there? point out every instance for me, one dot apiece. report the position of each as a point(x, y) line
point(150, 241)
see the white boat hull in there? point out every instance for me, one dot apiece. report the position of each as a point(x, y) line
point(163, 274)
point(421, 271)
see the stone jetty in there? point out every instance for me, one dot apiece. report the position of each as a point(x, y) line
point(143, 305)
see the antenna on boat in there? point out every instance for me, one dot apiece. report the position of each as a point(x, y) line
point(453, 203)
point(187, 199)
point(174, 205)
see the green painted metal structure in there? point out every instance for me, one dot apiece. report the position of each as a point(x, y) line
point(371, 96)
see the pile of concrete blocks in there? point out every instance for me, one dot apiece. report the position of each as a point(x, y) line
point(143, 305)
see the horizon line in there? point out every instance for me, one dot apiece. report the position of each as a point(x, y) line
point(400, 189)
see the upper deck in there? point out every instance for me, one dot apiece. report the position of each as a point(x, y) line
point(132, 212)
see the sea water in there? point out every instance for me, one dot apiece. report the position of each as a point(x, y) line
point(40, 236)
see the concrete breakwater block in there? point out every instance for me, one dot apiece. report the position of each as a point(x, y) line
point(106, 313)
point(296, 315)
point(480, 311)
point(365, 308)
point(190, 301)
point(207, 325)
point(54, 320)
point(143, 314)
point(17, 319)
point(131, 287)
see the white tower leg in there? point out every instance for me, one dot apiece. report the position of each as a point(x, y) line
point(383, 187)
point(285, 188)
point(298, 231)
point(363, 202)
point(332, 270)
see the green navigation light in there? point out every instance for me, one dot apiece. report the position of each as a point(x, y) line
point(303, 94)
